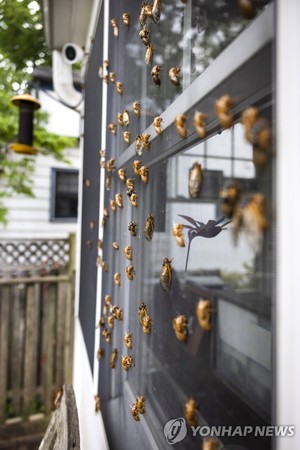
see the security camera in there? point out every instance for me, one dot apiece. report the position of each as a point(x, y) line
point(72, 53)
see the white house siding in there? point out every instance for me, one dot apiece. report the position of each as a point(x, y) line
point(30, 217)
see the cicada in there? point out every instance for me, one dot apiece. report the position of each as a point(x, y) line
point(108, 182)
point(112, 204)
point(117, 279)
point(142, 312)
point(120, 119)
point(119, 200)
point(134, 412)
point(110, 165)
point(203, 313)
point(149, 227)
point(195, 180)
point(147, 324)
point(113, 358)
point(101, 323)
point(180, 327)
point(128, 252)
point(100, 353)
point(107, 299)
point(166, 275)
point(134, 199)
point(144, 174)
point(127, 362)
point(119, 87)
point(223, 111)
point(140, 403)
point(146, 141)
point(126, 120)
point(157, 125)
point(128, 340)
point(199, 124)
point(130, 272)
point(136, 166)
point(126, 19)
point(144, 35)
point(122, 174)
point(155, 74)
point(106, 335)
point(97, 403)
point(132, 226)
point(190, 410)
point(180, 124)
point(177, 232)
point(117, 312)
point(127, 137)
point(174, 75)
point(136, 106)
point(139, 144)
point(112, 76)
point(112, 127)
point(115, 245)
point(110, 321)
point(149, 54)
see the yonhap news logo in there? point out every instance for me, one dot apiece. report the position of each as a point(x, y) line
point(175, 430)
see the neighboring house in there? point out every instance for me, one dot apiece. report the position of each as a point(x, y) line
point(232, 360)
point(52, 213)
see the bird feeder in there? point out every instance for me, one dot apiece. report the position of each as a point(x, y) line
point(27, 105)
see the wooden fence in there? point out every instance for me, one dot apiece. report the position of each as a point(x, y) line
point(36, 340)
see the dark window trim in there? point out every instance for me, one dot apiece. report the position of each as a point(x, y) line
point(53, 219)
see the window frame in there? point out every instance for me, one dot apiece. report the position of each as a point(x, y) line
point(53, 195)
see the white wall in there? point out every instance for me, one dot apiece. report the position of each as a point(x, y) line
point(30, 217)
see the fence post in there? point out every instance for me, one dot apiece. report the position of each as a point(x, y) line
point(4, 309)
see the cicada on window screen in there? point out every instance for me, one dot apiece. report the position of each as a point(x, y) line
point(149, 227)
point(166, 275)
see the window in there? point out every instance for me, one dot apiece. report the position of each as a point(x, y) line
point(228, 368)
point(64, 198)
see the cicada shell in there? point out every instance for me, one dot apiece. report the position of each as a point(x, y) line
point(146, 141)
point(130, 272)
point(104, 266)
point(139, 144)
point(120, 119)
point(117, 312)
point(190, 410)
point(142, 313)
point(110, 165)
point(134, 200)
point(128, 340)
point(100, 353)
point(136, 166)
point(132, 226)
point(149, 227)
point(127, 137)
point(119, 200)
point(136, 106)
point(155, 12)
point(106, 78)
point(144, 35)
point(199, 124)
point(210, 444)
point(105, 310)
point(119, 87)
point(87, 182)
point(110, 321)
point(126, 19)
point(102, 163)
point(92, 225)
point(180, 328)
point(112, 76)
point(106, 335)
point(106, 64)
point(180, 124)
point(144, 174)
point(195, 180)
point(102, 153)
point(143, 15)
point(127, 362)
point(100, 244)
point(114, 24)
point(134, 412)
point(115, 245)
point(128, 252)
point(250, 217)
point(122, 174)
point(140, 403)
point(108, 182)
point(100, 72)
point(174, 75)
point(230, 197)
point(101, 323)
point(166, 275)
point(246, 8)
point(155, 74)
point(130, 183)
point(157, 125)
point(257, 131)
point(97, 403)
point(147, 324)
point(98, 261)
point(149, 54)
point(177, 232)
point(117, 279)
point(107, 299)
point(112, 127)
point(203, 313)
point(126, 120)
point(113, 206)
point(223, 111)
point(130, 191)
point(113, 358)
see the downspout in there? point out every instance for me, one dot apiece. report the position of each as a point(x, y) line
point(63, 81)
